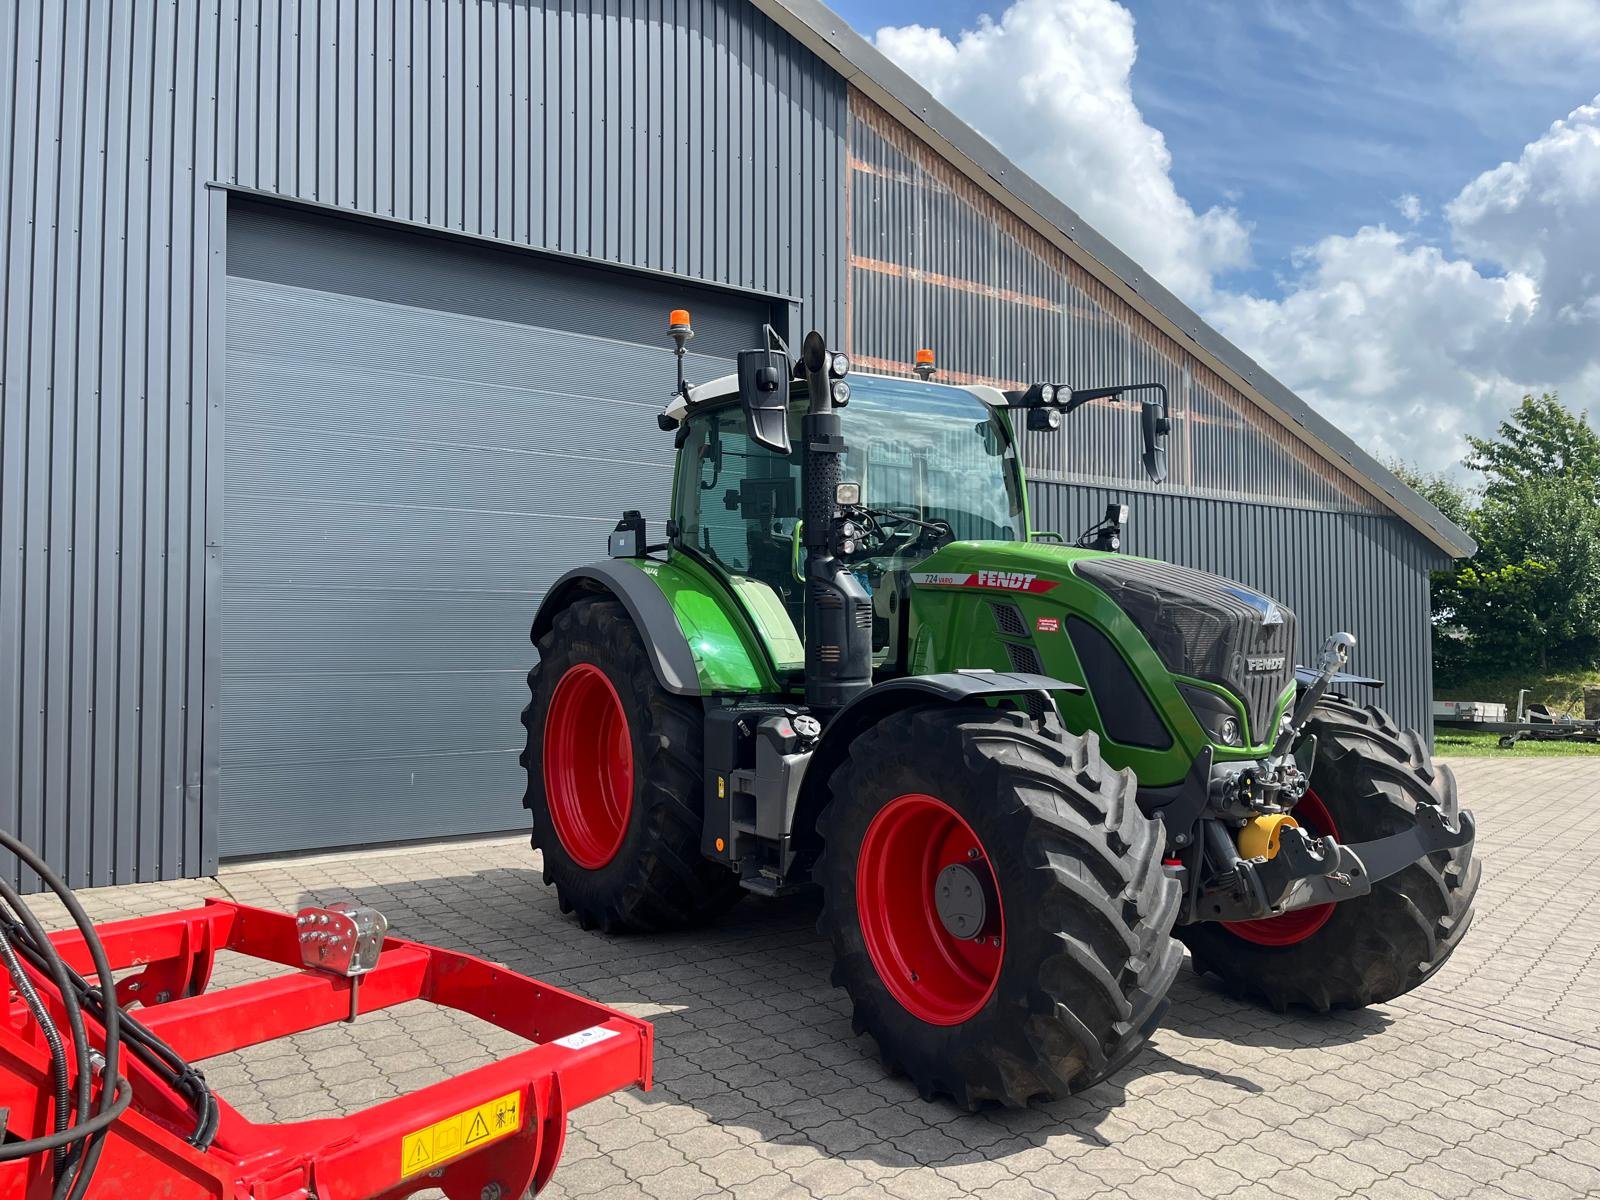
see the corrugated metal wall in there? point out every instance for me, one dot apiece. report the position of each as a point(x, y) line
point(1358, 572)
point(684, 135)
point(936, 262)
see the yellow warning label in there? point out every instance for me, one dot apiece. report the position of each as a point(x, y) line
point(443, 1140)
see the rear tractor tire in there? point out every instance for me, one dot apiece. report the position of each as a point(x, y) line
point(614, 768)
point(1368, 779)
point(997, 904)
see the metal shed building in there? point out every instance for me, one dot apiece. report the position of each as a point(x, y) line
point(332, 334)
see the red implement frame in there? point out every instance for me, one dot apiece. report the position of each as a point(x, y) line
point(582, 1051)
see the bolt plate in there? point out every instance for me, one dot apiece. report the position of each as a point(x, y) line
point(959, 900)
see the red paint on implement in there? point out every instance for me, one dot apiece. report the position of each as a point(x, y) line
point(588, 766)
point(1293, 927)
point(936, 977)
point(357, 1155)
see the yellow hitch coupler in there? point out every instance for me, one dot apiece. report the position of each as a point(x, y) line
point(1259, 838)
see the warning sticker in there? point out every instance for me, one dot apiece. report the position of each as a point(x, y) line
point(443, 1140)
point(1048, 625)
point(585, 1037)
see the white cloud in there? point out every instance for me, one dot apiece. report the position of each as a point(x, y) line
point(1517, 33)
point(1411, 349)
point(1410, 206)
point(1048, 82)
point(1392, 341)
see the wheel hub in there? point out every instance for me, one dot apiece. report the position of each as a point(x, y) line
point(958, 898)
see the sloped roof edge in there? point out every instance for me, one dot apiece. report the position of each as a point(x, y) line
point(827, 35)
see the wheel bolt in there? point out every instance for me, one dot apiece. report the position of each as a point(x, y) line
point(972, 853)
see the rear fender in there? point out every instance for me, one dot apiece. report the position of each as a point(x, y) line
point(670, 656)
point(697, 642)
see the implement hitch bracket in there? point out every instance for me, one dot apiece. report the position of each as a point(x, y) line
point(495, 1130)
point(1307, 872)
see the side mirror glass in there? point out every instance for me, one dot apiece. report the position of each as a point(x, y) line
point(1155, 425)
point(764, 394)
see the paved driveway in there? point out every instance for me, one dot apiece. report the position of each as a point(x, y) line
point(1486, 1082)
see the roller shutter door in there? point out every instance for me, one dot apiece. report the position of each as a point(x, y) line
point(420, 436)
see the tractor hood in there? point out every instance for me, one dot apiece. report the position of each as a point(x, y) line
point(1205, 627)
point(1198, 626)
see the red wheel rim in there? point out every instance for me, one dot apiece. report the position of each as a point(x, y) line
point(588, 766)
point(937, 977)
point(1293, 927)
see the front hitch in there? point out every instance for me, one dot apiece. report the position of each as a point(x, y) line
point(1308, 871)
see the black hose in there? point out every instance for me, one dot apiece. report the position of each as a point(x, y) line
point(36, 945)
point(120, 1095)
point(29, 940)
point(52, 1035)
point(91, 1132)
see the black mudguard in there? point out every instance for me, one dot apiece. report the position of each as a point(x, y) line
point(670, 656)
point(877, 702)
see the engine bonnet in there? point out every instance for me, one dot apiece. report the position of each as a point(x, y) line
point(1206, 627)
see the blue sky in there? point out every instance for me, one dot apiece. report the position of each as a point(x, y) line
point(1311, 119)
point(1253, 156)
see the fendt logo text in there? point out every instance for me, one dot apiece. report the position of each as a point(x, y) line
point(1014, 580)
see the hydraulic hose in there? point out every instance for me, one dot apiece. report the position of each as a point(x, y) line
point(52, 1036)
point(87, 1133)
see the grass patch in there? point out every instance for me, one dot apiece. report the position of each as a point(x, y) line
point(1468, 743)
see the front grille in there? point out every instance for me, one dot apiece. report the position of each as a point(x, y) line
point(1205, 627)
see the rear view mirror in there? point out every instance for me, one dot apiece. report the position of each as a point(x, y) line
point(764, 394)
point(1155, 425)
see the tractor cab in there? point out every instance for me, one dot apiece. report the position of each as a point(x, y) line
point(933, 464)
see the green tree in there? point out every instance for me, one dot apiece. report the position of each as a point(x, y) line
point(1541, 439)
point(1530, 598)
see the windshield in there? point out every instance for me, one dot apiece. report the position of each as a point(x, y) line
point(937, 453)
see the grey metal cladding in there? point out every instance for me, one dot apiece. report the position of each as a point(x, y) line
point(1360, 572)
point(668, 134)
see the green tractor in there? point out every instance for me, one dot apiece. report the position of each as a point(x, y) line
point(1022, 773)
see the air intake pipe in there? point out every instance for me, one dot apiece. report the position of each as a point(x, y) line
point(838, 611)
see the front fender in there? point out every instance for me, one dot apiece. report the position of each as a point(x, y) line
point(878, 702)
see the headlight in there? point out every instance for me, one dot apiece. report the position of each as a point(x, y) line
point(1217, 717)
point(839, 366)
point(1046, 393)
point(841, 393)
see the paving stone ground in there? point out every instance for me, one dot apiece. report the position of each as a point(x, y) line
point(1485, 1082)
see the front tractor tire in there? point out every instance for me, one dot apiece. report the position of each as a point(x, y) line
point(1369, 777)
point(614, 770)
point(998, 909)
